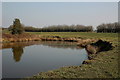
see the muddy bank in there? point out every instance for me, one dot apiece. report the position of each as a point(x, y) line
point(99, 46)
point(94, 48)
point(79, 40)
point(92, 45)
point(30, 37)
point(19, 38)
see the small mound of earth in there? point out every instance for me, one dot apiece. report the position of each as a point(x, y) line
point(99, 46)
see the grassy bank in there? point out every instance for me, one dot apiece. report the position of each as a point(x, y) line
point(79, 34)
point(111, 37)
point(104, 65)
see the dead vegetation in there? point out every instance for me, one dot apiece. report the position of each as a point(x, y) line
point(19, 37)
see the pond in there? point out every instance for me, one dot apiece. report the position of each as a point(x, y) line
point(25, 59)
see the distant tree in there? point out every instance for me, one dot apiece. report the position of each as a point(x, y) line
point(60, 28)
point(17, 27)
point(109, 28)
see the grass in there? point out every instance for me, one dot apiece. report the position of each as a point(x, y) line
point(112, 37)
point(77, 34)
point(104, 65)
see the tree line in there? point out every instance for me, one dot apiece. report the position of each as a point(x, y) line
point(104, 28)
point(18, 28)
point(109, 27)
point(60, 28)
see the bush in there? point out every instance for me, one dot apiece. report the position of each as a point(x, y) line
point(17, 28)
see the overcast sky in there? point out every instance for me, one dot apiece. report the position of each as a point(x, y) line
point(40, 14)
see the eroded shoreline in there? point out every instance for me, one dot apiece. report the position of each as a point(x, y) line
point(98, 63)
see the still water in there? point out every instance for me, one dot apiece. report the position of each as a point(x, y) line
point(24, 59)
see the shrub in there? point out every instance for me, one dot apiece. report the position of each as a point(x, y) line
point(17, 27)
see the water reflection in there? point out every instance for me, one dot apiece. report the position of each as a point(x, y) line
point(17, 53)
point(56, 44)
point(24, 59)
point(17, 47)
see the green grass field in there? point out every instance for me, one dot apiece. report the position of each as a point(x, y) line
point(104, 65)
point(112, 37)
point(78, 34)
point(106, 36)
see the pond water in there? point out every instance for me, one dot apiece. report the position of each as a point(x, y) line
point(25, 59)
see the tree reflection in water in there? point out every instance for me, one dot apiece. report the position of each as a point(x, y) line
point(17, 53)
point(17, 47)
